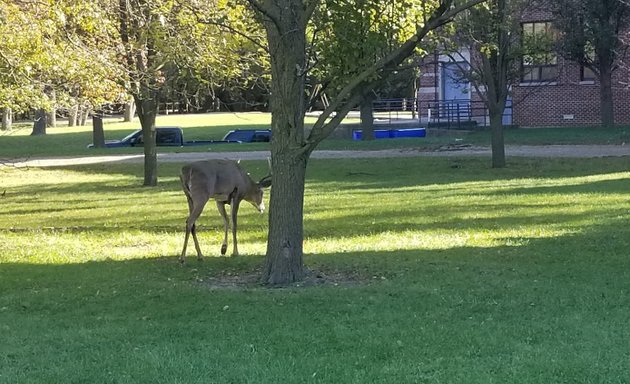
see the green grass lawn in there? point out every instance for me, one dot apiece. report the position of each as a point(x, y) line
point(457, 275)
point(65, 141)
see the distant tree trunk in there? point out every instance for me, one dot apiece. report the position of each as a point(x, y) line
point(98, 134)
point(7, 119)
point(72, 115)
point(84, 112)
point(498, 142)
point(606, 96)
point(39, 125)
point(130, 110)
point(147, 112)
point(416, 80)
point(366, 112)
point(51, 119)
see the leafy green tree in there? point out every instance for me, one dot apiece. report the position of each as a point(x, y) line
point(350, 35)
point(144, 32)
point(591, 35)
point(223, 63)
point(57, 58)
point(22, 57)
point(286, 23)
point(490, 34)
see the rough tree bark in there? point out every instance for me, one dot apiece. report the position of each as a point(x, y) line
point(606, 96)
point(73, 114)
point(366, 112)
point(285, 22)
point(130, 110)
point(84, 112)
point(288, 68)
point(98, 134)
point(51, 118)
point(7, 119)
point(141, 52)
point(39, 124)
point(147, 112)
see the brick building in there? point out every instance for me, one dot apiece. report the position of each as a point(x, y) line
point(556, 92)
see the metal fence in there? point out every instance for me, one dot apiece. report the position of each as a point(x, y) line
point(451, 114)
point(460, 114)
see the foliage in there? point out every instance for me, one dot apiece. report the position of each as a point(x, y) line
point(22, 55)
point(60, 58)
point(490, 34)
point(590, 34)
point(462, 275)
point(350, 35)
point(227, 55)
point(590, 31)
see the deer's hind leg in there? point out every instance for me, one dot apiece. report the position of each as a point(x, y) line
point(195, 208)
point(226, 225)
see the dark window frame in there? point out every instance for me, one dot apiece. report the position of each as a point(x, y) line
point(584, 77)
point(546, 71)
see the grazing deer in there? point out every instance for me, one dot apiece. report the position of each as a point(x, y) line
point(225, 182)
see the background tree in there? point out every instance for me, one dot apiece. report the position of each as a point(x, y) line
point(349, 36)
point(22, 57)
point(224, 66)
point(490, 33)
point(59, 60)
point(144, 32)
point(286, 23)
point(590, 34)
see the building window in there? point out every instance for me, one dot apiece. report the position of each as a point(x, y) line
point(586, 74)
point(540, 62)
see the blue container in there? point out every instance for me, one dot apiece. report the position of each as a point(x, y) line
point(411, 132)
point(378, 134)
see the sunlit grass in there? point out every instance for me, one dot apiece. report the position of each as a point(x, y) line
point(116, 218)
point(455, 274)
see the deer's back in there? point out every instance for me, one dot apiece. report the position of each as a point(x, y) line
point(217, 177)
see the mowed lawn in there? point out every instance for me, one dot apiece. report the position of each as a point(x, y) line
point(439, 271)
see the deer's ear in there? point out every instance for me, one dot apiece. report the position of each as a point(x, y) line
point(265, 182)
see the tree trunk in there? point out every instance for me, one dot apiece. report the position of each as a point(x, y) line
point(39, 125)
point(73, 112)
point(498, 143)
point(130, 110)
point(7, 119)
point(284, 258)
point(366, 111)
point(84, 113)
point(51, 119)
point(98, 135)
point(606, 97)
point(147, 111)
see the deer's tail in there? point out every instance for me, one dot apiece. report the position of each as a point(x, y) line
point(186, 177)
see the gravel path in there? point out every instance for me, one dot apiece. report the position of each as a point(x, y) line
point(569, 151)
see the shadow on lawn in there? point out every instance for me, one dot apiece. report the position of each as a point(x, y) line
point(595, 256)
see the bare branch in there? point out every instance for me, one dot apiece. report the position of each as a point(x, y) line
point(258, 7)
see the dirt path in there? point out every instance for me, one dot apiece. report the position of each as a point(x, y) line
point(569, 151)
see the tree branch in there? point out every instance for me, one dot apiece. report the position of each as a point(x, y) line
point(228, 27)
point(347, 98)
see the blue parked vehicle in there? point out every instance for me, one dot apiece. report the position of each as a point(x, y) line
point(249, 135)
point(174, 137)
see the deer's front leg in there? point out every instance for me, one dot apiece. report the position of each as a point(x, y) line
point(226, 225)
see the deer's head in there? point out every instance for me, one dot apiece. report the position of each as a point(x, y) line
point(256, 197)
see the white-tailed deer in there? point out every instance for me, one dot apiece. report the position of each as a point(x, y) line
point(225, 182)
